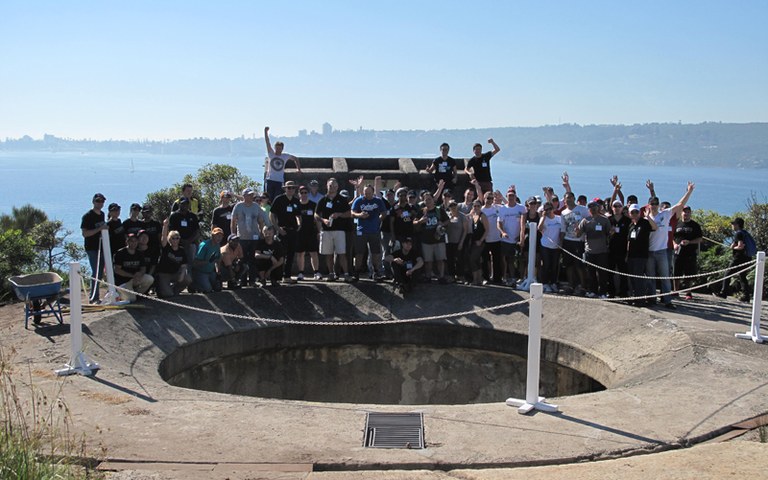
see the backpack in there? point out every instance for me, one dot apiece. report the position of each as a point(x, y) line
point(750, 247)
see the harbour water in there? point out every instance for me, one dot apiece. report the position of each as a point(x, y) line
point(62, 184)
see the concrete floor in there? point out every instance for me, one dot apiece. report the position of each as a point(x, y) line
point(674, 378)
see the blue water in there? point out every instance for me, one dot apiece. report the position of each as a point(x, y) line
point(62, 184)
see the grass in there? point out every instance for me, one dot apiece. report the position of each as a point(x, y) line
point(36, 438)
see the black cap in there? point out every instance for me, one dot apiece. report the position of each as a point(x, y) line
point(408, 239)
point(135, 206)
point(99, 196)
point(146, 208)
point(113, 206)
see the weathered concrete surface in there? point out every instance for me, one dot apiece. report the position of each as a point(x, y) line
point(674, 377)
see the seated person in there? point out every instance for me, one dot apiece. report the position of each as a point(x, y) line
point(270, 257)
point(405, 262)
point(172, 274)
point(130, 270)
point(204, 266)
point(232, 268)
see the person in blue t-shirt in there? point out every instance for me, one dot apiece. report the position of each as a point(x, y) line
point(368, 212)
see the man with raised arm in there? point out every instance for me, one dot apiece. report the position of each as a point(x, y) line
point(658, 262)
point(479, 166)
point(274, 173)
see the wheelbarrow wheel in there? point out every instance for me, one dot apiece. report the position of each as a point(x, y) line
point(37, 305)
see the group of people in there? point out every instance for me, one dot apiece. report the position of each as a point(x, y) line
point(478, 237)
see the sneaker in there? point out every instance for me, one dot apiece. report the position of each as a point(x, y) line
point(300, 277)
point(547, 288)
point(263, 282)
point(318, 276)
point(511, 282)
point(604, 296)
point(331, 277)
point(289, 280)
point(670, 306)
point(346, 278)
point(275, 283)
point(591, 295)
point(378, 278)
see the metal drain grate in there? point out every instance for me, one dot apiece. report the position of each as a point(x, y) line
point(394, 430)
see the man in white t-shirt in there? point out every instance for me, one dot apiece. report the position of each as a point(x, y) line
point(658, 262)
point(274, 172)
point(573, 243)
point(509, 223)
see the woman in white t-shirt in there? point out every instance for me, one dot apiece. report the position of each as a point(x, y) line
point(551, 228)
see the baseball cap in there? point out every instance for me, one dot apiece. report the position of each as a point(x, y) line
point(99, 196)
point(248, 191)
point(113, 207)
point(617, 203)
point(135, 206)
point(634, 207)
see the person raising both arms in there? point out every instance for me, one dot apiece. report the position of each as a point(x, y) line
point(274, 173)
point(479, 166)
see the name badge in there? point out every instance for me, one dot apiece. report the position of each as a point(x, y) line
point(183, 223)
point(329, 205)
point(598, 228)
point(633, 234)
point(310, 213)
point(229, 216)
point(409, 265)
point(289, 209)
point(255, 236)
point(484, 164)
point(618, 229)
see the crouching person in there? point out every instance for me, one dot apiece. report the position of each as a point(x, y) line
point(270, 257)
point(172, 273)
point(205, 266)
point(131, 270)
point(405, 263)
point(232, 268)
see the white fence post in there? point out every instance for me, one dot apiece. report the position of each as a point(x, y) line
point(757, 299)
point(532, 245)
point(79, 362)
point(532, 399)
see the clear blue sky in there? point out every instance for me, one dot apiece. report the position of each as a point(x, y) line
point(180, 69)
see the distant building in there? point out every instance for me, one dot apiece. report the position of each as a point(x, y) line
point(327, 128)
point(302, 133)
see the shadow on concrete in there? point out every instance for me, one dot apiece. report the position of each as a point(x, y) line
point(127, 390)
point(605, 428)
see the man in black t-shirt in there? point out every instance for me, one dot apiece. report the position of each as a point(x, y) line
point(270, 257)
point(334, 213)
point(405, 263)
point(479, 167)
point(187, 224)
point(443, 167)
point(91, 226)
point(130, 270)
point(740, 257)
point(686, 241)
point(222, 215)
point(284, 215)
point(638, 241)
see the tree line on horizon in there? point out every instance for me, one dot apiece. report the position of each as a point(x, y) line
point(713, 144)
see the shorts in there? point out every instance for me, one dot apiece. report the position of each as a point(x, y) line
point(433, 252)
point(307, 242)
point(510, 249)
point(575, 247)
point(370, 240)
point(333, 241)
point(685, 265)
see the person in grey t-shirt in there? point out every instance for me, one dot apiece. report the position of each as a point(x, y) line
point(248, 219)
point(596, 229)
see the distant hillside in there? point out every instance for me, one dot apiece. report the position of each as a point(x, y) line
point(706, 144)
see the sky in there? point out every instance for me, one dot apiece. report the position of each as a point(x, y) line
point(151, 69)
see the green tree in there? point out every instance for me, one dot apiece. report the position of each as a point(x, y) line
point(54, 251)
point(207, 182)
point(17, 255)
point(23, 218)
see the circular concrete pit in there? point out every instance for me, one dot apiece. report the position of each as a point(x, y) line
point(404, 364)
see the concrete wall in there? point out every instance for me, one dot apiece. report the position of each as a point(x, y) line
point(450, 365)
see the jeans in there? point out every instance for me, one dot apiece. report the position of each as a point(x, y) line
point(658, 266)
point(205, 282)
point(636, 266)
point(96, 262)
point(549, 257)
